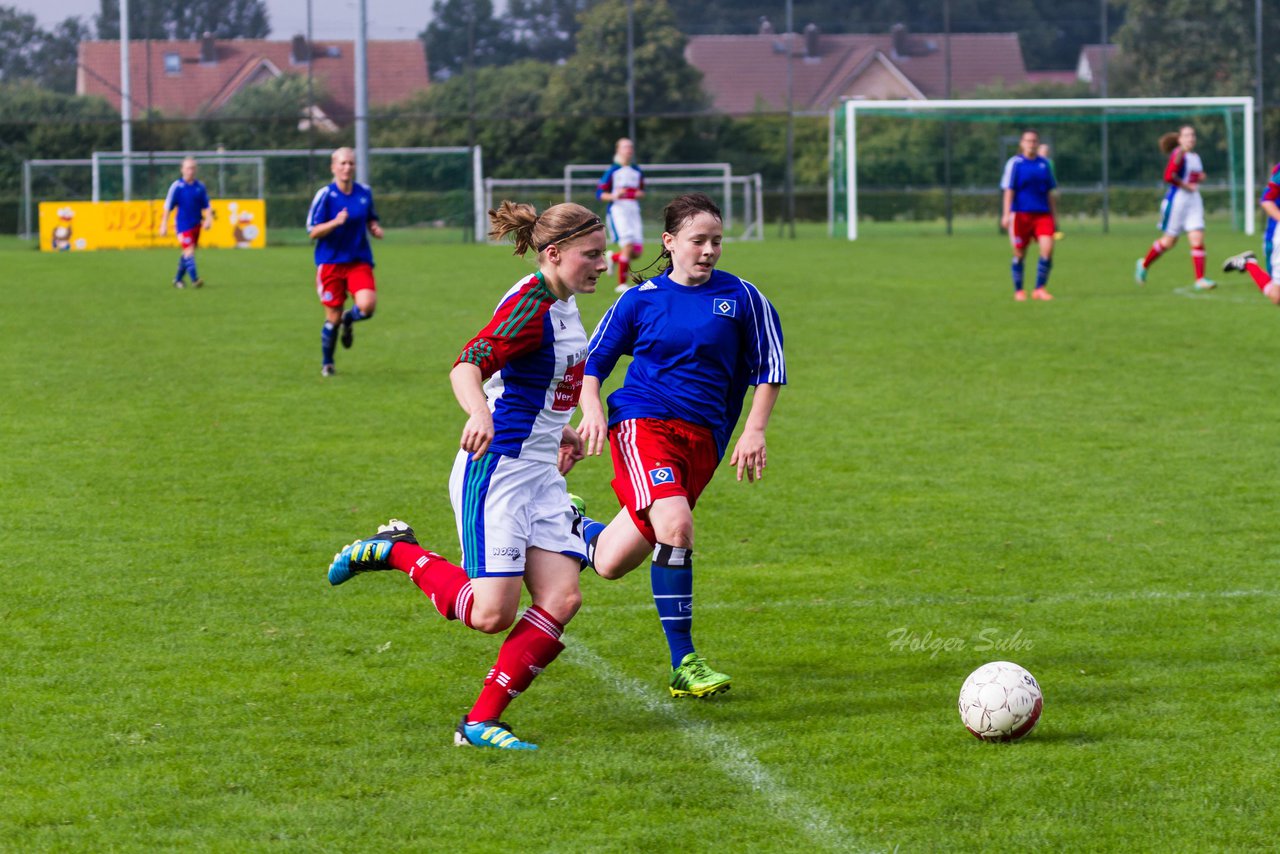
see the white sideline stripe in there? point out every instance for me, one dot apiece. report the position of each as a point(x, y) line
point(902, 601)
point(727, 753)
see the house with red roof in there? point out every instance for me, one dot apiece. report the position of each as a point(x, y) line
point(743, 73)
point(199, 77)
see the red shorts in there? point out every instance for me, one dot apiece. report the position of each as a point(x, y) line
point(335, 281)
point(190, 238)
point(1028, 225)
point(655, 459)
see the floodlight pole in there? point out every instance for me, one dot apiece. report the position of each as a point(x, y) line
point(1106, 131)
point(126, 102)
point(946, 127)
point(631, 71)
point(790, 190)
point(1259, 102)
point(362, 92)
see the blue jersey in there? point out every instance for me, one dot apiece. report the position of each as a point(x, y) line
point(1031, 179)
point(694, 351)
point(190, 200)
point(1271, 193)
point(348, 242)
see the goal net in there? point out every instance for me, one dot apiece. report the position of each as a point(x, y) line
point(889, 159)
point(739, 197)
point(434, 190)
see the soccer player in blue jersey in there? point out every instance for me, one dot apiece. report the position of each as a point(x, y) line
point(518, 380)
point(622, 186)
point(342, 216)
point(697, 338)
point(1029, 211)
point(1268, 279)
point(190, 199)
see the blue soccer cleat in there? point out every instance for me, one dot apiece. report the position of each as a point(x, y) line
point(496, 734)
point(369, 555)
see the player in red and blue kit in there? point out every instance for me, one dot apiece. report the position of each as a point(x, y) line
point(1029, 211)
point(697, 338)
point(1182, 210)
point(1268, 280)
point(518, 380)
point(342, 216)
point(190, 199)
point(622, 186)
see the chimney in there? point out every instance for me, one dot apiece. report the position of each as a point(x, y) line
point(766, 28)
point(811, 33)
point(300, 51)
point(899, 34)
point(208, 49)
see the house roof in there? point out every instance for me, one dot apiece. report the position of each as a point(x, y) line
point(397, 69)
point(742, 71)
point(1093, 58)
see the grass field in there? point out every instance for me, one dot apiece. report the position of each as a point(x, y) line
point(1085, 487)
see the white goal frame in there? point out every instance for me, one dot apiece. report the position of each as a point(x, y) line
point(852, 107)
point(752, 192)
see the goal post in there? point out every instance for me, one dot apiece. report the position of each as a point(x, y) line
point(844, 139)
point(740, 193)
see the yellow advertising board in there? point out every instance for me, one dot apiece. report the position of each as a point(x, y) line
point(82, 226)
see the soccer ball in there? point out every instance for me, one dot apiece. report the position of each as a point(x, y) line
point(1000, 701)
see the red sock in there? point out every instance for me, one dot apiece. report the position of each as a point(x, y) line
point(445, 583)
point(624, 267)
point(1260, 276)
point(1197, 261)
point(1157, 249)
point(532, 645)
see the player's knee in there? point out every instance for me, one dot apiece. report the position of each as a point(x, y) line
point(492, 620)
point(561, 604)
point(675, 532)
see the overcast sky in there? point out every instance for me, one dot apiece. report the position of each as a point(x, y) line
point(330, 19)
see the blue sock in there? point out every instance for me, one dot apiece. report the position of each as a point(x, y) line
point(354, 314)
point(1042, 272)
point(671, 576)
point(328, 340)
point(191, 268)
point(591, 530)
point(182, 268)
point(1016, 269)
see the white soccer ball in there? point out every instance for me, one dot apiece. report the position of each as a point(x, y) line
point(1000, 701)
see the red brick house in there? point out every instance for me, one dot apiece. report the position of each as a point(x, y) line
point(194, 78)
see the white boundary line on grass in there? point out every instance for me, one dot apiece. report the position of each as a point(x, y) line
point(1189, 292)
point(725, 752)
point(1019, 598)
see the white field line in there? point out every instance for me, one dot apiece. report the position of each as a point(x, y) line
point(727, 753)
point(907, 601)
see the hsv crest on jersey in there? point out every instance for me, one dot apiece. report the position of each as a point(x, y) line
point(726, 307)
point(660, 476)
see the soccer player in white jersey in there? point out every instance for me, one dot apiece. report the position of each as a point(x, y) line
point(1182, 210)
point(518, 380)
point(697, 338)
point(622, 186)
point(1267, 280)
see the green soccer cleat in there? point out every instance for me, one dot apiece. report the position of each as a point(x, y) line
point(1140, 272)
point(369, 555)
point(695, 678)
point(496, 734)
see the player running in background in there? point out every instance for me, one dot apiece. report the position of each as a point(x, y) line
point(190, 199)
point(1182, 209)
point(342, 216)
point(622, 186)
point(1247, 262)
point(1029, 210)
point(518, 380)
point(697, 337)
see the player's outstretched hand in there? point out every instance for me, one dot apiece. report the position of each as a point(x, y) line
point(477, 433)
point(594, 430)
point(749, 455)
point(570, 450)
